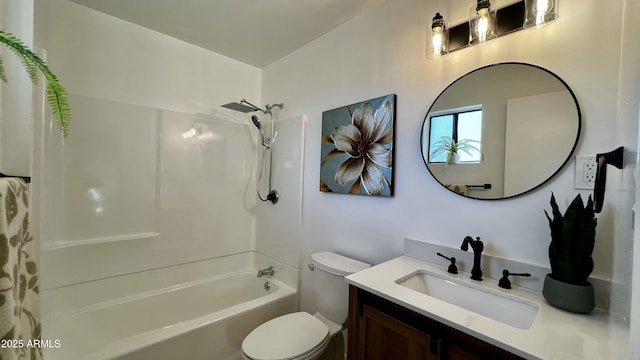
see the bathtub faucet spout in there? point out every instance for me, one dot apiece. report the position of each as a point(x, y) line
point(267, 271)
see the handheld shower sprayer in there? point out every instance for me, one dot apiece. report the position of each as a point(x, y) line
point(258, 125)
point(256, 122)
point(266, 142)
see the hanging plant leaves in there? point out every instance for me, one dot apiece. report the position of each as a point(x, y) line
point(56, 94)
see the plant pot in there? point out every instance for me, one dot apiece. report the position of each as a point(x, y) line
point(574, 298)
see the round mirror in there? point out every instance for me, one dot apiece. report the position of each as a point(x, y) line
point(500, 131)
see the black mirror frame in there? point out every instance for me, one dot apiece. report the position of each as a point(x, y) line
point(564, 163)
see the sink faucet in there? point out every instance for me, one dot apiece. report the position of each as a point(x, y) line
point(477, 246)
point(267, 271)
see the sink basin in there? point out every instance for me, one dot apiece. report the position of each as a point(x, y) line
point(506, 308)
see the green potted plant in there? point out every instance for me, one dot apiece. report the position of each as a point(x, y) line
point(447, 145)
point(56, 95)
point(572, 241)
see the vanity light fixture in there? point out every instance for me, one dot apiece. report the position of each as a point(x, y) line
point(540, 12)
point(482, 23)
point(439, 38)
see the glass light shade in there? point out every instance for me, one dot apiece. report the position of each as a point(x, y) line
point(540, 12)
point(437, 38)
point(482, 23)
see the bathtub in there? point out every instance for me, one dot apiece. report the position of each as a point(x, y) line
point(179, 314)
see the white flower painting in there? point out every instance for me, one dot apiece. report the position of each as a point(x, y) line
point(357, 148)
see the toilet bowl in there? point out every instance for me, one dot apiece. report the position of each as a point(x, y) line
point(300, 335)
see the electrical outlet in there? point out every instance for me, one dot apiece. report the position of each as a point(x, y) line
point(586, 167)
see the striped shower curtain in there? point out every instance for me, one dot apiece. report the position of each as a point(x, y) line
point(20, 329)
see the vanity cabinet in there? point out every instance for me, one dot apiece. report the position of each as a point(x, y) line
point(382, 330)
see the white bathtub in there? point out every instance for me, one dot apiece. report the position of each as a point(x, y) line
point(205, 318)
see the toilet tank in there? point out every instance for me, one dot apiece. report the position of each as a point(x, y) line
point(330, 289)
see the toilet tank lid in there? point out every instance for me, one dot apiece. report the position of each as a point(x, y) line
point(337, 264)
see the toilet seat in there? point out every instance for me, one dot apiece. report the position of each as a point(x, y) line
point(297, 336)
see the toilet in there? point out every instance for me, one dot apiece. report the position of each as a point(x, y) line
point(300, 335)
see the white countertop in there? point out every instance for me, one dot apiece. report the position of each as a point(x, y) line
point(554, 334)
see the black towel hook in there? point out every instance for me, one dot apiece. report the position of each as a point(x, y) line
point(615, 158)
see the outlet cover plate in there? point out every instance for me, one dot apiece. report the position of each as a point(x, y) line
point(585, 175)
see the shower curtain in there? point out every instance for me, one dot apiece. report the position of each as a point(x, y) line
point(20, 329)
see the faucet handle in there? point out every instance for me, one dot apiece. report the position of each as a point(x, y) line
point(504, 281)
point(452, 269)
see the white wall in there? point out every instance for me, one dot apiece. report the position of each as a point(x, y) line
point(382, 51)
point(127, 191)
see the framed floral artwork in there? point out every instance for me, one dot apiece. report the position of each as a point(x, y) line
point(357, 148)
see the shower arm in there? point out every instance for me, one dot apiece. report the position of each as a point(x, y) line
point(269, 107)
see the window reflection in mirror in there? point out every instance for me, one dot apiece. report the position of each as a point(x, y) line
point(455, 132)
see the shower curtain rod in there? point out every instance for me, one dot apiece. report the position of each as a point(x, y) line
point(25, 178)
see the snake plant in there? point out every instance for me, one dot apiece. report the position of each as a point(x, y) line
point(572, 241)
point(57, 96)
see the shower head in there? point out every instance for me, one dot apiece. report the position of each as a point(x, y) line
point(256, 122)
point(239, 107)
point(243, 106)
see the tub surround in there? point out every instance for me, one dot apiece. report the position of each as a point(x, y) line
point(554, 334)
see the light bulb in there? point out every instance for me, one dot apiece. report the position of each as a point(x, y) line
point(439, 36)
point(436, 41)
point(540, 12)
point(482, 27)
point(482, 23)
point(542, 6)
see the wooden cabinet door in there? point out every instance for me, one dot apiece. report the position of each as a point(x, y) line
point(382, 337)
point(456, 352)
point(382, 330)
